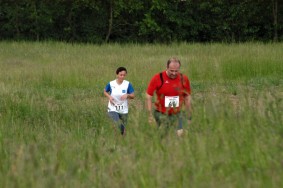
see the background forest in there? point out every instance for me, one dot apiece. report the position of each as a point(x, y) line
point(154, 21)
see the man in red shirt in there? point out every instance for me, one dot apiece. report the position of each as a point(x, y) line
point(172, 90)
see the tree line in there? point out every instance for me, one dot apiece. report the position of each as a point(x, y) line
point(162, 21)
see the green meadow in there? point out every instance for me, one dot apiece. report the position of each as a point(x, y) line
point(54, 130)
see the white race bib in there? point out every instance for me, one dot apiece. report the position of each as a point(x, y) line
point(119, 107)
point(171, 101)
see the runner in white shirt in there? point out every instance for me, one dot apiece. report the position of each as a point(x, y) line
point(118, 92)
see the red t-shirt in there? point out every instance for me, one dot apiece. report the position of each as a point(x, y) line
point(170, 97)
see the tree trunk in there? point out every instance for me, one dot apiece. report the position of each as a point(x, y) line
point(36, 20)
point(275, 19)
point(110, 23)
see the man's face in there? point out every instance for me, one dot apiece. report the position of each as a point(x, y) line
point(173, 70)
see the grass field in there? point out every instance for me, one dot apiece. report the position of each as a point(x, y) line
point(54, 131)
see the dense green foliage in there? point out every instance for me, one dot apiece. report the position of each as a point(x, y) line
point(98, 21)
point(54, 130)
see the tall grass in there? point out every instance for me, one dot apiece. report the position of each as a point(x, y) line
point(54, 131)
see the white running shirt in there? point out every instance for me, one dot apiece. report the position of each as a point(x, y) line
point(116, 91)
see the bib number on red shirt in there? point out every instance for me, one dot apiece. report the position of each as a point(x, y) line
point(171, 101)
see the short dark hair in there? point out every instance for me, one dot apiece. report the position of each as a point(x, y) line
point(173, 59)
point(120, 69)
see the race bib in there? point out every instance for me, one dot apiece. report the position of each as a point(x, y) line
point(119, 107)
point(172, 101)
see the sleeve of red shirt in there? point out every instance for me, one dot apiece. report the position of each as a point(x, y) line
point(187, 85)
point(153, 84)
